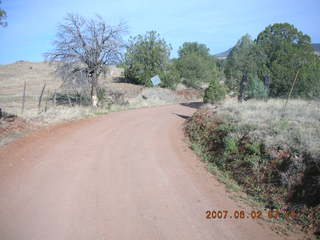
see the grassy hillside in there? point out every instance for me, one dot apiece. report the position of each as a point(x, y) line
point(13, 76)
point(272, 154)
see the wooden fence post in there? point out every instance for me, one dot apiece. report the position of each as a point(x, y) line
point(40, 98)
point(47, 98)
point(54, 98)
point(69, 100)
point(23, 96)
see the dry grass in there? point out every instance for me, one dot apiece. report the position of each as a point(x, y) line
point(298, 127)
point(61, 114)
point(13, 76)
point(273, 155)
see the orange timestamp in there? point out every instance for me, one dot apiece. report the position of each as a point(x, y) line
point(254, 214)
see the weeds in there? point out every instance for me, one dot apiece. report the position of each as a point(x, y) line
point(275, 160)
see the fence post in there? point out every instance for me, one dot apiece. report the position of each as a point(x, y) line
point(54, 98)
point(46, 105)
point(40, 98)
point(23, 96)
point(69, 100)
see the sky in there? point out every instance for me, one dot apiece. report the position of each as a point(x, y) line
point(32, 24)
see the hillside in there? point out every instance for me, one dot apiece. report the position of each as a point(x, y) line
point(13, 76)
point(224, 54)
point(267, 151)
point(316, 47)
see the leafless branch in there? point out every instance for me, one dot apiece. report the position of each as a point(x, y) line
point(83, 47)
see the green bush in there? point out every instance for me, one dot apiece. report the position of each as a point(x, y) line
point(214, 93)
point(256, 89)
point(231, 145)
point(274, 176)
point(170, 77)
point(147, 55)
point(287, 51)
point(195, 64)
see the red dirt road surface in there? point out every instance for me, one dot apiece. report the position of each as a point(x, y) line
point(125, 175)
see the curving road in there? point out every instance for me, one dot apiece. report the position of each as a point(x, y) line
point(125, 175)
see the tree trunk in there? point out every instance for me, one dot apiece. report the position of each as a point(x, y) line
point(94, 92)
point(243, 85)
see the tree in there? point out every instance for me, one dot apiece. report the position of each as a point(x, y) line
point(256, 89)
point(240, 62)
point(83, 47)
point(244, 66)
point(189, 48)
point(3, 16)
point(146, 57)
point(288, 50)
point(170, 77)
point(195, 64)
point(214, 93)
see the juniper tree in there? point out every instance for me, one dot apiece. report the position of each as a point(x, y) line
point(288, 50)
point(196, 65)
point(146, 56)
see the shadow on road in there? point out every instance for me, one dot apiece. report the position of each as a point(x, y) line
point(182, 116)
point(192, 104)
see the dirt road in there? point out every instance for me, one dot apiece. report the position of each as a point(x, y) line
point(126, 175)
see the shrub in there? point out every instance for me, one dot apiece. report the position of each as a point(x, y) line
point(147, 55)
point(196, 65)
point(256, 148)
point(71, 98)
point(230, 145)
point(256, 89)
point(170, 78)
point(214, 93)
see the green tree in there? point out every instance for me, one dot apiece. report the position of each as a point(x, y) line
point(214, 93)
point(288, 50)
point(189, 48)
point(146, 57)
point(195, 64)
point(3, 16)
point(240, 61)
point(256, 89)
point(245, 67)
point(170, 77)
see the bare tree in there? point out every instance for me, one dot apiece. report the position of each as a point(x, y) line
point(82, 49)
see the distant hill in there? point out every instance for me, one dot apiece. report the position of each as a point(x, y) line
point(224, 55)
point(316, 47)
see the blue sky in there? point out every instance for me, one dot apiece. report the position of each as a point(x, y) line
point(218, 24)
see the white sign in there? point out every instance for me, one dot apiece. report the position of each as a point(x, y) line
point(155, 80)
